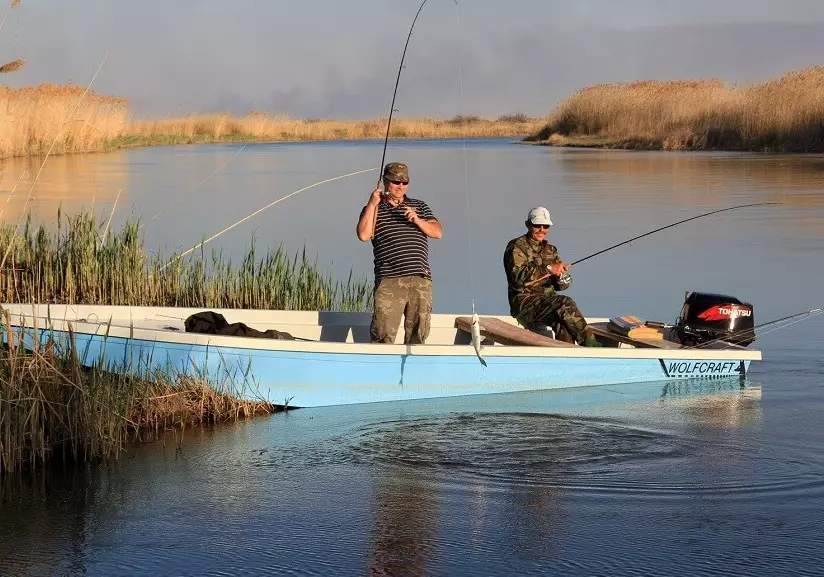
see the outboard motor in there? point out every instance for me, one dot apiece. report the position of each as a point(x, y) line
point(709, 317)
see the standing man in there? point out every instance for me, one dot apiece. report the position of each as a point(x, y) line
point(532, 270)
point(399, 228)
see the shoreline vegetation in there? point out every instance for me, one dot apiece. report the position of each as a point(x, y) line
point(780, 115)
point(53, 410)
point(59, 118)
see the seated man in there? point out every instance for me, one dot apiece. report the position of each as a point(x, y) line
point(533, 269)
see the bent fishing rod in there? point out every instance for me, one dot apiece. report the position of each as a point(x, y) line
point(392, 108)
point(397, 82)
point(580, 260)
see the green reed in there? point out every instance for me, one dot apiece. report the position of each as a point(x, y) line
point(52, 408)
point(80, 262)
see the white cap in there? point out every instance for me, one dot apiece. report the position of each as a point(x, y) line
point(539, 215)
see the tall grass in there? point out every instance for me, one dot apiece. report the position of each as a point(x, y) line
point(53, 409)
point(786, 115)
point(258, 126)
point(75, 263)
point(33, 117)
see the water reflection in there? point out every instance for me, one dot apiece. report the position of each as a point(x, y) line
point(795, 179)
point(413, 501)
point(720, 412)
point(413, 486)
point(44, 523)
point(184, 194)
point(72, 181)
point(516, 470)
point(405, 524)
point(551, 481)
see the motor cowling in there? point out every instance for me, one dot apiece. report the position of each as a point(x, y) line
point(709, 317)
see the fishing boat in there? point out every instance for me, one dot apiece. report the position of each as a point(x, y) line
point(327, 358)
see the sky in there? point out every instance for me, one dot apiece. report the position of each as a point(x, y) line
point(339, 58)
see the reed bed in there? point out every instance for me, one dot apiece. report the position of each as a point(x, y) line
point(75, 262)
point(55, 410)
point(781, 115)
point(35, 117)
point(258, 126)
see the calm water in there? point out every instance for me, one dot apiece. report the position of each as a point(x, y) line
point(693, 479)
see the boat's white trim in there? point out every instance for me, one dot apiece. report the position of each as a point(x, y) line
point(130, 322)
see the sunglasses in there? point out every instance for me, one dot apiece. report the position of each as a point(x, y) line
point(397, 182)
point(542, 226)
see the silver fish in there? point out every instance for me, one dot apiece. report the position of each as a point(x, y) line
point(476, 337)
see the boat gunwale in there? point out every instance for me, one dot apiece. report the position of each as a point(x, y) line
point(135, 332)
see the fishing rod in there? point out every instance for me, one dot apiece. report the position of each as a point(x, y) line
point(746, 333)
point(397, 82)
point(383, 159)
point(257, 212)
point(580, 260)
point(392, 110)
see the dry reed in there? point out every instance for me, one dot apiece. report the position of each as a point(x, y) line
point(782, 115)
point(258, 126)
point(53, 409)
point(12, 66)
point(31, 118)
point(34, 117)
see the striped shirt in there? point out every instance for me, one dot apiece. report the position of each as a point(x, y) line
point(399, 247)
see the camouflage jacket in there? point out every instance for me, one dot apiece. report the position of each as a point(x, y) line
point(526, 260)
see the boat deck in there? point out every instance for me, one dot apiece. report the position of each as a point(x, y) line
point(333, 327)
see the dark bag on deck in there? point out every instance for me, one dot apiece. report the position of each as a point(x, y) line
point(212, 323)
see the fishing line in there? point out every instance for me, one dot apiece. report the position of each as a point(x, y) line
point(5, 17)
point(271, 204)
point(463, 138)
point(199, 184)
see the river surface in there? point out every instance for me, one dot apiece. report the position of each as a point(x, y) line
point(696, 478)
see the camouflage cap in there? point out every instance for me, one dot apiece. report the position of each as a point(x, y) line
point(396, 171)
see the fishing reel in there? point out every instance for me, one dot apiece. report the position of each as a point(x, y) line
point(560, 282)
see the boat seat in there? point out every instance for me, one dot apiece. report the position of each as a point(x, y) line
point(505, 333)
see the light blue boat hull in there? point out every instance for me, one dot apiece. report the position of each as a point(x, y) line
point(311, 378)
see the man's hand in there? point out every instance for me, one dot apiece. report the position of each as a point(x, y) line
point(376, 197)
point(410, 214)
point(558, 268)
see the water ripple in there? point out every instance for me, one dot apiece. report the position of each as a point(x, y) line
point(592, 455)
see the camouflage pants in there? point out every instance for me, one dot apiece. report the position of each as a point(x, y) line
point(556, 311)
point(409, 297)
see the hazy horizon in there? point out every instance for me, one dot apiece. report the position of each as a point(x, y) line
point(324, 59)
